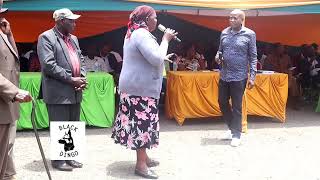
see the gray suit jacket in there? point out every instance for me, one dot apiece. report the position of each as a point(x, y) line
point(56, 68)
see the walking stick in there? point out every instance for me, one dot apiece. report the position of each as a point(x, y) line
point(38, 139)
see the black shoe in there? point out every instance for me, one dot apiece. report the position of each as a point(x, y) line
point(148, 174)
point(62, 166)
point(74, 164)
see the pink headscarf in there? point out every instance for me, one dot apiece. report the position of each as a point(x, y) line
point(138, 17)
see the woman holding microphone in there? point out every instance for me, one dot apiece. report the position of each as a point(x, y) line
point(137, 122)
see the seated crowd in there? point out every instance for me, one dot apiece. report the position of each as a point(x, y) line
point(302, 64)
point(103, 59)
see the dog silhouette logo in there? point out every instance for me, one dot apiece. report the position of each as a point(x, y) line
point(67, 140)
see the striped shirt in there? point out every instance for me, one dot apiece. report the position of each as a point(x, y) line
point(239, 53)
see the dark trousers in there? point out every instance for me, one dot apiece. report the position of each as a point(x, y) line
point(63, 112)
point(232, 115)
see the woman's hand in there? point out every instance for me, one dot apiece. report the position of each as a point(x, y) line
point(169, 34)
point(167, 58)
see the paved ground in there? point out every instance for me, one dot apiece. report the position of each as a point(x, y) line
point(269, 151)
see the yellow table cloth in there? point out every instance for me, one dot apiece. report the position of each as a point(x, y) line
point(195, 95)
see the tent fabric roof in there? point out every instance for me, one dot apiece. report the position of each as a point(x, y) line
point(82, 5)
point(232, 4)
point(306, 9)
point(298, 6)
point(28, 18)
point(290, 30)
point(27, 26)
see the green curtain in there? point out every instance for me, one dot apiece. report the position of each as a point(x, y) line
point(318, 107)
point(97, 107)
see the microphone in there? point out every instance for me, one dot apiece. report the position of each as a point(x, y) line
point(163, 29)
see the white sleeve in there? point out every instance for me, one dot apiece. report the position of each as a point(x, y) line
point(102, 64)
point(149, 47)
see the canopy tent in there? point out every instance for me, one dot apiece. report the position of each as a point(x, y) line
point(290, 22)
point(83, 5)
point(27, 26)
point(291, 25)
point(292, 30)
point(298, 5)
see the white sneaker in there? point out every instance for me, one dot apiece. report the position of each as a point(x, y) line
point(235, 142)
point(227, 135)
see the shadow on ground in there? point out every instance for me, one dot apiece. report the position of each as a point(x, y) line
point(214, 141)
point(122, 170)
point(37, 166)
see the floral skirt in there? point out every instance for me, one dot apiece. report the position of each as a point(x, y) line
point(137, 122)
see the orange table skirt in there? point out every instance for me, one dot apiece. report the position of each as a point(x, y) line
point(195, 95)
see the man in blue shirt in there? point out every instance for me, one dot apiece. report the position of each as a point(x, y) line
point(237, 55)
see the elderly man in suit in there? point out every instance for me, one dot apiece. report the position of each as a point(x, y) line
point(10, 94)
point(63, 74)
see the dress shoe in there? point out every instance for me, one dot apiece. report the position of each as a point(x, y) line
point(148, 174)
point(74, 164)
point(62, 166)
point(152, 163)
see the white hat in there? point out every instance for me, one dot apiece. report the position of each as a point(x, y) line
point(64, 13)
point(2, 10)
